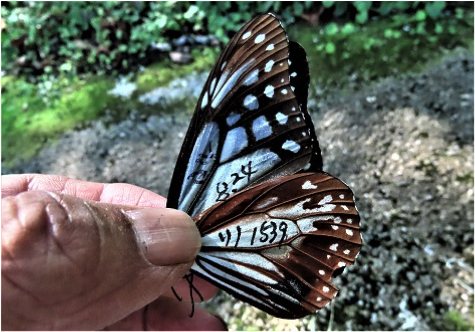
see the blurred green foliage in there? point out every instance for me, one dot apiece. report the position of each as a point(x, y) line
point(78, 36)
point(48, 46)
point(455, 322)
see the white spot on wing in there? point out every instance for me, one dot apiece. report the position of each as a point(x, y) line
point(235, 141)
point(345, 207)
point(269, 65)
point(334, 227)
point(282, 118)
point(325, 200)
point(284, 91)
point(309, 185)
point(334, 246)
point(269, 91)
point(270, 47)
point(341, 264)
point(293, 74)
point(346, 252)
point(319, 299)
point(260, 38)
point(293, 109)
point(246, 35)
point(251, 103)
point(337, 220)
point(321, 272)
point(298, 209)
point(342, 196)
point(261, 128)
point(325, 289)
point(349, 221)
point(349, 232)
point(291, 146)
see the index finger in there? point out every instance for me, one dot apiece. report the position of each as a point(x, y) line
point(114, 193)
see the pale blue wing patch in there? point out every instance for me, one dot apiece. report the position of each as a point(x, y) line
point(235, 175)
point(235, 141)
point(261, 128)
point(201, 161)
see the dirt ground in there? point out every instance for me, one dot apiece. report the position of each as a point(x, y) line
point(405, 147)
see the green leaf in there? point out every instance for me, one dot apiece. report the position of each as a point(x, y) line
point(328, 4)
point(385, 7)
point(330, 48)
point(362, 17)
point(420, 15)
point(192, 10)
point(331, 29)
point(362, 6)
point(340, 8)
point(298, 8)
point(66, 67)
point(434, 9)
point(348, 29)
point(438, 28)
point(421, 28)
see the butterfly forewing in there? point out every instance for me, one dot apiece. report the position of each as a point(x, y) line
point(248, 126)
point(299, 82)
point(277, 244)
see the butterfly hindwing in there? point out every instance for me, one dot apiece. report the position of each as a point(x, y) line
point(248, 126)
point(277, 244)
point(299, 83)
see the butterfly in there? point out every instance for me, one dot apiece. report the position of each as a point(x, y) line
point(275, 228)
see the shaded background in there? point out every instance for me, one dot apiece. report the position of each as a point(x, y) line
point(104, 92)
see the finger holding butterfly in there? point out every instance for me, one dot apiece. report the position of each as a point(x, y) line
point(71, 263)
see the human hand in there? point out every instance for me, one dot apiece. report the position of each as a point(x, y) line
point(82, 255)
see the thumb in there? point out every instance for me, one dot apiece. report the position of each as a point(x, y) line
point(68, 263)
point(165, 236)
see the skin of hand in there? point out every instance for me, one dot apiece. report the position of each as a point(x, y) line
point(85, 256)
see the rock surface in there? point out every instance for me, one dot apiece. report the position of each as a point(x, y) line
point(405, 147)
